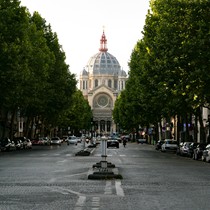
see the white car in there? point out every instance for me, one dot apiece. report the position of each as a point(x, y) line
point(55, 141)
point(169, 145)
point(206, 154)
point(72, 140)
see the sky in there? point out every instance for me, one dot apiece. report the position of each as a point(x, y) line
point(79, 25)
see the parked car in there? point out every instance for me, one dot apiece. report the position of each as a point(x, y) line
point(44, 141)
point(18, 143)
point(198, 151)
point(55, 141)
point(192, 147)
point(41, 141)
point(72, 140)
point(6, 144)
point(178, 148)
point(159, 144)
point(113, 143)
point(185, 149)
point(169, 145)
point(26, 142)
point(35, 142)
point(64, 138)
point(206, 154)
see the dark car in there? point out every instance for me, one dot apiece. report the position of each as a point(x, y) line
point(112, 143)
point(192, 147)
point(198, 151)
point(159, 144)
point(6, 144)
point(141, 141)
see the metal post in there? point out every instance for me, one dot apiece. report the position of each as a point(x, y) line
point(159, 132)
point(84, 140)
point(103, 152)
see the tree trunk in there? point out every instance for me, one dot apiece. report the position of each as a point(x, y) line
point(202, 129)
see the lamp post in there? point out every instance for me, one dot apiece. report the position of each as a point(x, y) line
point(91, 132)
point(208, 138)
point(103, 154)
point(168, 131)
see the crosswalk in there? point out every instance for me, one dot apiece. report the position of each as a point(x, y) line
point(112, 187)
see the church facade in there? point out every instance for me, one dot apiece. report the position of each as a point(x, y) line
point(101, 81)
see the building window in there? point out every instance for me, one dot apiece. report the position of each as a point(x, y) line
point(90, 84)
point(110, 83)
point(108, 126)
point(102, 126)
point(96, 83)
point(115, 84)
point(83, 85)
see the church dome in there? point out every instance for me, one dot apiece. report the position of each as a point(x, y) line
point(103, 62)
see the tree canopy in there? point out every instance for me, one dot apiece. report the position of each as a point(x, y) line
point(36, 83)
point(169, 66)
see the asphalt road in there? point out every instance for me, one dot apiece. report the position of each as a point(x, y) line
point(53, 178)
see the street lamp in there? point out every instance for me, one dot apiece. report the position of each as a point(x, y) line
point(91, 129)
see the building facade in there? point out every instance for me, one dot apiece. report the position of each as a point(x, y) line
point(101, 81)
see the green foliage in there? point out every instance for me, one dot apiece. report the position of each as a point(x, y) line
point(35, 80)
point(78, 115)
point(169, 67)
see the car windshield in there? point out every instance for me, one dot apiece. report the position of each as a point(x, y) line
point(72, 137)
point(171, 142)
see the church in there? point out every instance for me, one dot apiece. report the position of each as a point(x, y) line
point(101, 81)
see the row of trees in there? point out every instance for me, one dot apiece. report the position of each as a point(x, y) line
point(169, 67)
point(36, 84)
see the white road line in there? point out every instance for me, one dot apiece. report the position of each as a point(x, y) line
point(81, 201)
point(108, 188)
point(61, 161)
point(119, 189)
point(95, 203)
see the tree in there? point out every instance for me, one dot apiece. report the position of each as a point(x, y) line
point(78, 116)
point(169, 66)
point(14, 47)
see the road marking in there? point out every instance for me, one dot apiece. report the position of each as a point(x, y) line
point(119, 190)
point(61, 161)
point(80, 202)
point(108, 188)
point(69, 155)
point(64, 190)
point(95, 203)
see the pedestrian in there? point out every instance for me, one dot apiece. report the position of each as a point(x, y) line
point(124, 142)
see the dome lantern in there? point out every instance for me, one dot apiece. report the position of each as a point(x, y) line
point(103, 47)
